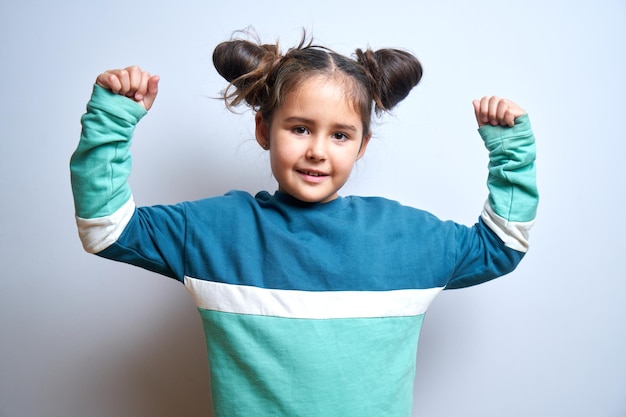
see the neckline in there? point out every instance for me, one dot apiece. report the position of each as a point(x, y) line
point(289, 200)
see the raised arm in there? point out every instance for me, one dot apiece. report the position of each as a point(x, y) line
point(101, 163)
point(513, 197)
point(499, 240)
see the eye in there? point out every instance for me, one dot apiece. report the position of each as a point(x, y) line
point(340, 136)
point(300, 130)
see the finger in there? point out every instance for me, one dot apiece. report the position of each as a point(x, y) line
point(484, 110)
point(134, 80)
point(109, 81)
point(124, 80)
point(493, 105)
point(509, 117)
point(151, 91)
point(143, 86)
point(481, 110)
point(476, 104)
point(510, 112)
point(504, 116)
point(516, 111)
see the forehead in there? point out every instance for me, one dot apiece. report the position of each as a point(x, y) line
point(322, 91)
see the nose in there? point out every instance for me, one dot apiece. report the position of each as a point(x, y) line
point(317, 149)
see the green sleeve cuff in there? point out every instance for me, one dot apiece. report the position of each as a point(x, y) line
point(512, 182)
point(101, 164)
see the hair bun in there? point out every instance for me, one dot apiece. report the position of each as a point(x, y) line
point(235, 58)
point(245, 65)
point(392, 72)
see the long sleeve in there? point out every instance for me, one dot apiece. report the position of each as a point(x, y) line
point(513, 197)
point(499, 241)
point(100, 167)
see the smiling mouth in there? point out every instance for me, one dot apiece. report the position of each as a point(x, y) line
point(312, 177)
point(312, 173)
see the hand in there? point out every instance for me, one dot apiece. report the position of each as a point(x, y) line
point(131, 82)
point(496, 111)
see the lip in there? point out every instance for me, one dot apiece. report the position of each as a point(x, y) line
point(312, 175)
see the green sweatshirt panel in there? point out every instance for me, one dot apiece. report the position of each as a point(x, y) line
point(101, 164)
point(270, 366)
point(512, 182)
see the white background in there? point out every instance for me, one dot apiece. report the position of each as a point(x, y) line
point(81, 336)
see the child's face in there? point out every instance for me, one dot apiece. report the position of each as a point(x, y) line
point(314, 138)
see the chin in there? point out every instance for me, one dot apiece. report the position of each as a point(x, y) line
point(315, 198)
point(324, 199)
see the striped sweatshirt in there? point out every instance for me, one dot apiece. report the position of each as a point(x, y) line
point(309, 309)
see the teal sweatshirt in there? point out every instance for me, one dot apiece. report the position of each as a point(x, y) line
point(309, 309)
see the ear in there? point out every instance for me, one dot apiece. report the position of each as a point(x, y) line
point(364, 143)
point(262, 131)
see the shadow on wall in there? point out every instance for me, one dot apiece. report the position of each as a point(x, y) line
point(137, 369)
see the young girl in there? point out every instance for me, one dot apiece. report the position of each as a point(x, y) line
point(312, 303)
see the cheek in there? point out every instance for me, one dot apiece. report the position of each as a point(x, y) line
point(355, 154)
point(346, 162)
point(281, 157)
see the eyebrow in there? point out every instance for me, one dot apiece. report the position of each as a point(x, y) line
point(304, 120)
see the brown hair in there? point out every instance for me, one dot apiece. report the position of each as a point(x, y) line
point(261, 77)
